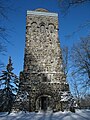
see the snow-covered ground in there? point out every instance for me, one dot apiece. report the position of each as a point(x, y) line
point(79, 115)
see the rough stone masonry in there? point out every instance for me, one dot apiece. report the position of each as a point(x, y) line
point(43, 77)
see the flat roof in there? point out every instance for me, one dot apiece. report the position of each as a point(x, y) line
point(42, 13)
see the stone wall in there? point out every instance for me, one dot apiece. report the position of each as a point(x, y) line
point(43, 76)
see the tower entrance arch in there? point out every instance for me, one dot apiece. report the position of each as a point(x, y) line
point(43, 102)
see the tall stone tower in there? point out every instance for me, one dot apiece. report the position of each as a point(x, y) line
point(44, 78)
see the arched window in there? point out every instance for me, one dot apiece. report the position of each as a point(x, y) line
point(42, 27)
point(51, 28)
point(34, 26)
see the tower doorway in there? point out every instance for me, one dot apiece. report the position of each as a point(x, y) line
point(44, 103)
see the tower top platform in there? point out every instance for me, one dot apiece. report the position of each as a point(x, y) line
point(41, 11)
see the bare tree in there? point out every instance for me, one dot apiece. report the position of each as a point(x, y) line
point(66, 4)
point(5, 7)
point(65, 55)
point(2, 52)
point(81, 62)
point(77, 93)
point(85, 101)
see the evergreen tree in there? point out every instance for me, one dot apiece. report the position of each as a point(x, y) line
point(9, 85)
point(66, 97)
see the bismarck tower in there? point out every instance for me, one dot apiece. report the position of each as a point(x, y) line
point(44, 78)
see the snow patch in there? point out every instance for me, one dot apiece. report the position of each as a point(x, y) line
point(79, 115)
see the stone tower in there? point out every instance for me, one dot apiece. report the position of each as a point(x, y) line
point(43, 76)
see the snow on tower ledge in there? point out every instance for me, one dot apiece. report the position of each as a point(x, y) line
point(41, 11)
